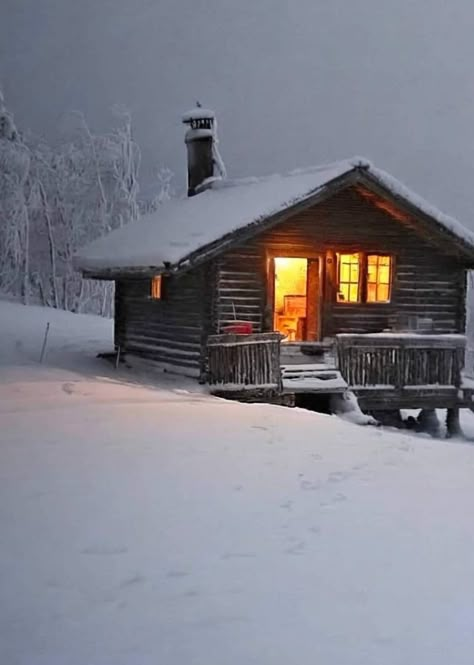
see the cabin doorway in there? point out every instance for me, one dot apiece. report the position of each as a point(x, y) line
point(296, 298)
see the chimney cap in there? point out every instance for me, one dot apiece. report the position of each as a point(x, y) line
point(198, 113)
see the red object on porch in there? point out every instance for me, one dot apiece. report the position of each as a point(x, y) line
point(239, 328)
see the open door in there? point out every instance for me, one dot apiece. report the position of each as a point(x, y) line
point(295, 293)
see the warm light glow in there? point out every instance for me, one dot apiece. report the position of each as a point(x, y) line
point(348, 267)
point(379, 269)
point(156, 287)
point(290, 297)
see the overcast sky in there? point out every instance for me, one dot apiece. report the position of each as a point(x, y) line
point(293, 83)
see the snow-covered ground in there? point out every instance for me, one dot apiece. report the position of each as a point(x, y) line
point(144, 523)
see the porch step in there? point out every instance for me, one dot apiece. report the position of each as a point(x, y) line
point(302, 353)
point(312, 378)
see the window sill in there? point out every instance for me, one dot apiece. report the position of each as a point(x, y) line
point(356, 304)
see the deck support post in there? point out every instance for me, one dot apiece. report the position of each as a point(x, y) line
point(428, 422)
point(453, 425)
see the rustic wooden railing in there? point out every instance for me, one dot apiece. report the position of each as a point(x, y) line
point(400, 361)
point(244, 362)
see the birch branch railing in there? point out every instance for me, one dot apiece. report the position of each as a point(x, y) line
point(244, 362)
point(401, 361)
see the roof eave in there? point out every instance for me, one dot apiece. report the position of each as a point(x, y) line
point(115, 273)
point(466, 249)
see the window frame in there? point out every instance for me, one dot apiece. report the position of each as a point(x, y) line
point(363, 278)
point(359, 279)
point(378, 284)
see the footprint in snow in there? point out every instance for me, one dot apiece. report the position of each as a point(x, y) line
point(337, 498)
point(296, 549)
point(308, 485)
point(132, 581)
point(238, 555)
point(337, 476)
point(191, 593)
point(359, 467)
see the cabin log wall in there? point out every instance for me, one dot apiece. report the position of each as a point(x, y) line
point(170, 331)
point(427, 283)
point(240, 288)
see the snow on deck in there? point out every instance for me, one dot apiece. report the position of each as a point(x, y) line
point(182, 226)
point(145, 523)
point(312, 378)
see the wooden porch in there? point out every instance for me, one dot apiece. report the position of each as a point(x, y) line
point(395, 371)
point(385, 371)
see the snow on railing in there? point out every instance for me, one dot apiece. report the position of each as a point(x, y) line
point(401, 360)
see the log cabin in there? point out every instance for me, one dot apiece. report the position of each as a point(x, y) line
point(325, 279)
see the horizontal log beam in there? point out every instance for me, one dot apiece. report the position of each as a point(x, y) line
point(449, 341)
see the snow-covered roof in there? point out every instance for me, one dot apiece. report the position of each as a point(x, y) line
point(183, 226)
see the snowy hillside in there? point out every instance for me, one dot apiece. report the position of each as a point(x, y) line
point(145, 523)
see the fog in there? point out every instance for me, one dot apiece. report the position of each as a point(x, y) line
point(292, 84)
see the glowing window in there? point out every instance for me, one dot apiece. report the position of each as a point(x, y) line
point(379, 273)
point(156, 288)
point(348, 268)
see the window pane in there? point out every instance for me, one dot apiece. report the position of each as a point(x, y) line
point(383, 293)
point(344, 273)
point(384, 274)
point(371, 273)
point(354, 272)
point(354, 293)
point(343, 293)
point(371, 292)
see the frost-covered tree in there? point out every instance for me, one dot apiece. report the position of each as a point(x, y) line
point(90, 187)
point(14, 217)
point(163, 191)
point(56, 199)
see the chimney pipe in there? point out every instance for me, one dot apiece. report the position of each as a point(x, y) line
point(199, 141)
